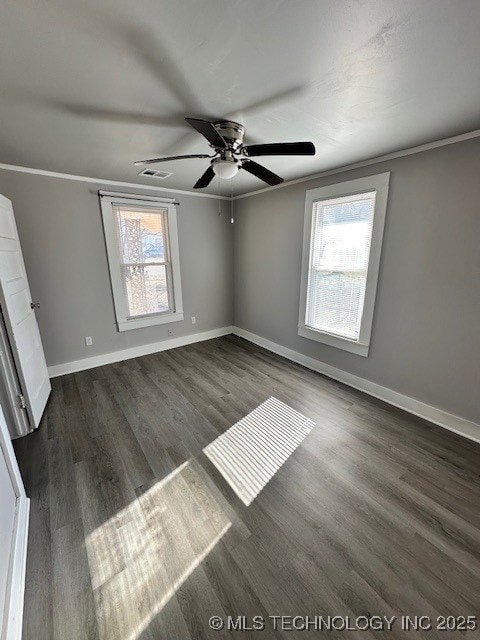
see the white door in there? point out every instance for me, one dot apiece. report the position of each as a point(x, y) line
point(20, 320)
point(14, 510)
point(8, 507)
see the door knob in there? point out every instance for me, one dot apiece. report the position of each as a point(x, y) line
point(34, 305)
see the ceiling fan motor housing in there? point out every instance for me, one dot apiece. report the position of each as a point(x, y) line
point(231, 132)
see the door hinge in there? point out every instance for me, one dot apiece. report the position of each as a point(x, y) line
point(21, 401)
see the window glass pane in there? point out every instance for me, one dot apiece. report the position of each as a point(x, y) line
point(142, 238)
point(147, 289)
point(336, 303)
point(142, 234)
point(339, 252)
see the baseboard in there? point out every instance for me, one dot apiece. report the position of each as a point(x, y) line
point(134, 352)
point(442, 418)
point(16, 584)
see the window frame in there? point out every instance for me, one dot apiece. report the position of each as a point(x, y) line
point(115, 263)
point(378, 183)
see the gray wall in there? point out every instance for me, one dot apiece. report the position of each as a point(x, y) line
point(425, 339)
point(61, 234)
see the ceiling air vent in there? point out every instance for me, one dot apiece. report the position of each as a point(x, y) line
point(152, 173)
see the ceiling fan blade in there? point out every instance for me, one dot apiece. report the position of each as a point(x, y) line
point(261, 172)
point(205, 180)
point(155, 160)
point(208, 131)
point(280, 149)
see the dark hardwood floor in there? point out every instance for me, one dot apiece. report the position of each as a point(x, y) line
point(135, 533)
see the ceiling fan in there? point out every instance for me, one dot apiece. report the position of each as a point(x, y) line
point(226, 138)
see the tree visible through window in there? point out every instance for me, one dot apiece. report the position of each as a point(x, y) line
point(146, 268)
point(141, 239)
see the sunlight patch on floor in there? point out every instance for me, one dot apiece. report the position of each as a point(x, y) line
point(250, 452)
point(140, 557)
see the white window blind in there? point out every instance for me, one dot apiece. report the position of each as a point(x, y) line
point(142, 236)
point(339, 255)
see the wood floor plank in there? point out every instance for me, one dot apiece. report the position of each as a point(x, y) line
point(73, 605)
point(135, 534)
point(33, 459)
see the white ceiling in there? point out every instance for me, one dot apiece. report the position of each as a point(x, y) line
point(89, 87)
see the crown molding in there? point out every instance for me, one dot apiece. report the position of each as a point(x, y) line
point(365, 163)
point(322, 174)
point(114, 183)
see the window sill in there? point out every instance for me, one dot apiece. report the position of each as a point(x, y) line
point(150, 321)
point(334, 341)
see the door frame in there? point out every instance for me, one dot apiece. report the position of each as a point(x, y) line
point(12, 383)
point(15, 590)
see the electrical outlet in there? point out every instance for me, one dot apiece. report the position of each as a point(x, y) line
point(194, 320)
point(88, 341)
point(170, 332)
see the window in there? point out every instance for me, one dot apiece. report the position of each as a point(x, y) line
point(341, 256)
point(142, 248)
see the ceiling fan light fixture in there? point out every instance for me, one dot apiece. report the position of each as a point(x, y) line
point(225, 169)
point(225, 137)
